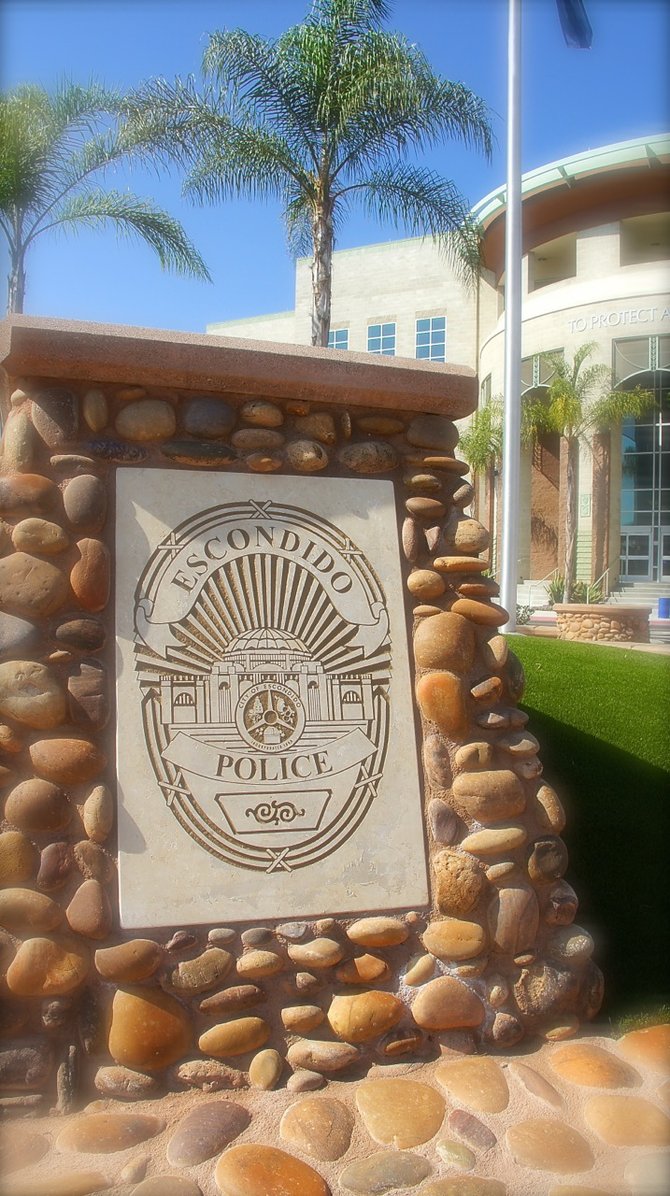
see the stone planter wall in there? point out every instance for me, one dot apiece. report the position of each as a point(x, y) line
point(86, 1006)
point(606, 624)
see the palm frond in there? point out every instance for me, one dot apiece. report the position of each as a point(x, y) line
point(246, 160)
point(135, 217)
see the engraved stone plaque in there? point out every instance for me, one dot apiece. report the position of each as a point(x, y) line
point(265, 736)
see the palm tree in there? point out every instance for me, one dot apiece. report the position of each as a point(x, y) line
point(580, 402)
point(321, 118)
point(51, 149)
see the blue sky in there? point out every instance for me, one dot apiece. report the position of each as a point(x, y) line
point(572, 100)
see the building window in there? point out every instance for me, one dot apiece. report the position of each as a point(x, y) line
point(553, 262)
point(381, 339)
point(539, 369)
point(485, 391)
point(645, 239)
point(338, 338)
point(431, 338)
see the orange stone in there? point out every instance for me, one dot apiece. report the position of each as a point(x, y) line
point(400, 1113)
point(90, 575)
point(135, 960)
point(105, 1133)
point(235, 1037)
point(477, 1082)
point(649, 1047)
point(363, 1016)
point(627, 1121)
point(66, 761)
point(549, 1145)
point(454, 938)
point(47, 967)
point(447, 1004)
point(592, 1066)
point(490, 796)
point(441, 697)
point(464, 1185)
point(26, 910)
point(318, 1126)
point(377, 932)
point(149, 1029)
point(65, 1183)
point(255, 1170)
point(19, 858)
point(445, 641)
point(362, 970)
point(487, 614)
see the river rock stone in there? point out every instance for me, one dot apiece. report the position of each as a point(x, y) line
point(202, 973)
point(231, 1000)
point(471, 1130)
point(19, 858)
point(106, 1133)
point(313, 1055)
point(254, 965)
point(30, 693)
point(236, 1037)
point(25, 1065)
point(24, 910)
point(513, 918)
point(369, 457)
point(437, 761)
point(464, 534)
point(208, 1074)
point(459, 564)
point(571, 944)
point(455, 1154)
point(318, 1126)
point(592, 1066)
point(363, 970)
point(649, 1047)
point(543, 989)
point(377, 932)
point(362, 1016)
point(98, 813)
point(207, 416)
point(262, 414)
point(89, 912)
point(475, 1081)
point(385, 1172)
point(254, 440)
point(442, 821)
point(134, 960)
point(425, 584)
point(146, 420)
point(55, 866)
point(45, 967)
point(255, 1170)
point(627, 1121)
point(265, 1069)
point(306, 456)
point(149, 1029)
point(465, 1185)
point(30, 587)
point(167, 1185)
point(94, 409)
point(419, 969)
point(399, 1113)
point(55, 413)
point(93, 862)
point(454, 938)
point(319, 953)
point(122, 1083)
point(207, 1129)
point(18, 443)
point(486, 614)
point(459, 882)
point(495, 841)
point(84, 635)
point(425, 508)
point(16, 635)
point(445, 641)
point(447, 1004)
point(40, 536)
point(65, 1183)
point(90, 574)
point(209, 453)
point(300, 1019)
point(490, 796)
point(434, 432)
point(549, 1146)
point(66, 761)
point(24, 494)
point(85, 503)
point(548, 810)
point(442, 700)
point(20, 1148)
point(319, 425)
point(561, 904)
point(536, 1085)
point(548, 860)
point(38, 806)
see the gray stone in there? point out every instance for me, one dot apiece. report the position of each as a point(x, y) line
point(436, 761)
point(85, 503)
point(94, 410)
point(208, 417)
point(87, 696)
point(262, 414)
point(25, 1065)
point(253, 440)
point(370, 457)
point(55, 415)
point(306, 456)
point(115, 451)
point(199, 452)
point(471, 1130)
point(385, 1172)
point(434, 432)
point(84, 635)
point(55, 866)
point(442, 820)
point(146, 420)
point(18, 443)
point(205, 1131)
point(293, 931)
point(122, 1083)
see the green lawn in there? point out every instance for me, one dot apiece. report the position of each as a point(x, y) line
point(602, 718)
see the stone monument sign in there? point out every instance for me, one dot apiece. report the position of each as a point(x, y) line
point(263, 655)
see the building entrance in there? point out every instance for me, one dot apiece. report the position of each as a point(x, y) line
point(645, 462)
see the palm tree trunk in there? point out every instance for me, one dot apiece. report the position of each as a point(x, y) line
point(572, 466)
point(322, 266)
point(16, 284)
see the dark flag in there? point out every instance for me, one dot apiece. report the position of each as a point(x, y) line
point(575, 24)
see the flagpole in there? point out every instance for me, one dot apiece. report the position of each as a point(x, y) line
point(512, 383)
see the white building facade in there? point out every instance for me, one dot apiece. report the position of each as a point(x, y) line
point(596, 268)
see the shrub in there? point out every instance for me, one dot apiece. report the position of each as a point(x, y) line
point(582, 591)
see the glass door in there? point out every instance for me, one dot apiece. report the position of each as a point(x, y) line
point(645, 470)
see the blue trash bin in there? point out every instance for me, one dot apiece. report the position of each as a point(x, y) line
point(664, 608)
